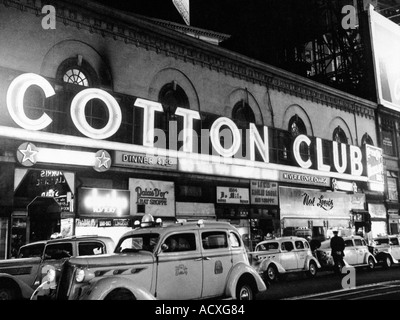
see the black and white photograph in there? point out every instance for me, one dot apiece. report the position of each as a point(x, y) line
point(198, 154)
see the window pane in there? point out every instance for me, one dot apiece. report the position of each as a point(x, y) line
point(90, 248)
point(181, 242)
point(214, 240)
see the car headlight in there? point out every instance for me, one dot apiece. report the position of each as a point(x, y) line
point(80, 275)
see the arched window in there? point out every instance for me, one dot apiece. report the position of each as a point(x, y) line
point(243, 114)
point(366, 139)
point(76, 76)
point(339, 135)
point(171, 96)
point(297, 126)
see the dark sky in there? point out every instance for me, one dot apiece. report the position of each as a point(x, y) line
point(258, 28)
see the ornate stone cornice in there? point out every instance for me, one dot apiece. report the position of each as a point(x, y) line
point(131, 30)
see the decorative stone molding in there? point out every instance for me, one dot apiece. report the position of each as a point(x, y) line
point(141, 33)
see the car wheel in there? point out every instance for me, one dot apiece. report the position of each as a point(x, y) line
point(120, 294)
point(371, 263)
point(271, 274)
point(7, 294)
point(244, 291)
point(388, 262)
point(312, 270)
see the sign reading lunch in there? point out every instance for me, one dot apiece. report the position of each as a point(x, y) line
point(345, 159)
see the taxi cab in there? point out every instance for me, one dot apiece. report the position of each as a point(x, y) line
point(356, 253)
point(386, 250)
point(277, 257)
point(193, 260)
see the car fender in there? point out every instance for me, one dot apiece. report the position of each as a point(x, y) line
point(237, 271)
point(382, 255)
point(308, 260)
point(25, 290)
point(367, 256)
point(100, 289)
point(267, 262)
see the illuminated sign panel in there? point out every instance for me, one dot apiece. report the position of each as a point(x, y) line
point(385, 41)
point(375, 170)
point(128, 159)
point(103, 202)
point(224, 160)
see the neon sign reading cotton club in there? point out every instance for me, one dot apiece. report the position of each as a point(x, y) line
point(346, 159)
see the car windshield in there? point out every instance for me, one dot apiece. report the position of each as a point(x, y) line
point(137, 242)
point(380, 241)
point(269, 246)
point(30, 251)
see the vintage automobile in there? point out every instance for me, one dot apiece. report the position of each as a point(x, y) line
point(356, 253)
point(182, 261)
point(21, 276)
point(386, 250)
point(277, 257)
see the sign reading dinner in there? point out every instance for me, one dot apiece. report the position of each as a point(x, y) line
point(221, 140)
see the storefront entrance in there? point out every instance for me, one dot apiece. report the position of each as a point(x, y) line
point(38, 222)
point(44, 215)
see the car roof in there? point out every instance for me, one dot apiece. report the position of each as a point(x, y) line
point(182, 226)
point(282, 239)
point(78, 238)
point(34, 243)
point(71, 238)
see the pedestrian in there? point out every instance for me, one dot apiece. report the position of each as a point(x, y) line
point(337, 247)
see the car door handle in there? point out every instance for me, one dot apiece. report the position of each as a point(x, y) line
point(203, 258)
point(207, 258)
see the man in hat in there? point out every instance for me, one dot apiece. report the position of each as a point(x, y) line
point(337, 246)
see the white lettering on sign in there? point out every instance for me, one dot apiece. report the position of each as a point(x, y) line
point(78, 106)
point(15, 100)
point(15, 106)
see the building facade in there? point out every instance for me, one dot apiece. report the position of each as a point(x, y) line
point(108, 116)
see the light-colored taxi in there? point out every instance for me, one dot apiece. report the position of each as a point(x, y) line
point(194, 260)
point(356, 253)
point(386, 250)
point(277, 257)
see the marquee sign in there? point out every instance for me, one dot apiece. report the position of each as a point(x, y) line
point(347, 159)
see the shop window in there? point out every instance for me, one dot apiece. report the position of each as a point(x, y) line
point(339, 135)
point(214, 240)
point(388, 142)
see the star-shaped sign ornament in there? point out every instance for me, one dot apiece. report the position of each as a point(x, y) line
point(26, 154)
point(103, 161)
